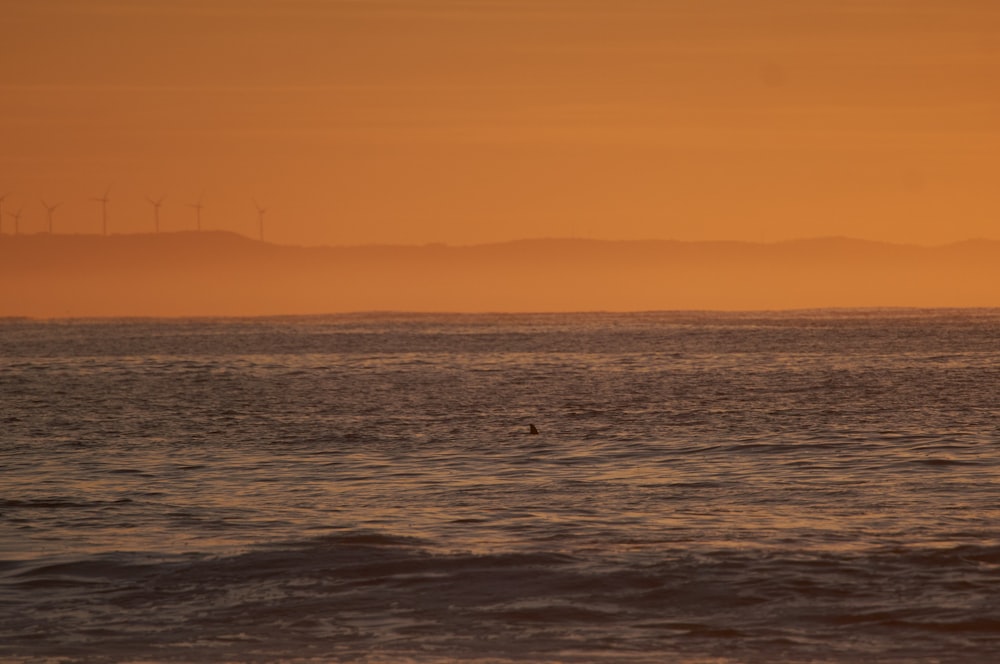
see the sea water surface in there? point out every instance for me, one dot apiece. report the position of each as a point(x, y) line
point(743, 487)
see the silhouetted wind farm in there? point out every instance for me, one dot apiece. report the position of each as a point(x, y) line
point(105, 201)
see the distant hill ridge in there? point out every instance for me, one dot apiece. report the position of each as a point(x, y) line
point(226, 239)
point(223, 273)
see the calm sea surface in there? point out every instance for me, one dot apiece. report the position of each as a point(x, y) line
point(816, 486)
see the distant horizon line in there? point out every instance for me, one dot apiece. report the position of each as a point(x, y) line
point(777, 312)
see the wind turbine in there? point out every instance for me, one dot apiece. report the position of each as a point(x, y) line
point(104, 200)
point(156, 203)
point(49, 209)
point(260, 217)
point(17, 221)
point(197, 209)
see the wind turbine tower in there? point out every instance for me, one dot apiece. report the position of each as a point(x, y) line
point(156, 203)
point(2, 198)
point(104, 200)
point(49, 209)
point(260, 218)
point(197, 210)
point(17, 222)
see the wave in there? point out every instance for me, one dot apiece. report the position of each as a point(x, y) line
point(56, 503)
point(352, 593)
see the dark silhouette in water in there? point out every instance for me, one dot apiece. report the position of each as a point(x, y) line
point(533, 431)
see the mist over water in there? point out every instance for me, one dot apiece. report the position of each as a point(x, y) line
point(810, 486)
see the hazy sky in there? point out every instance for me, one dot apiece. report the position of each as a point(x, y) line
point(416, 121)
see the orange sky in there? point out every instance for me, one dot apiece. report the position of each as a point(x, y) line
point(467, 121)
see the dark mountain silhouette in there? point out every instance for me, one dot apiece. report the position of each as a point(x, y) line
point(218, 273)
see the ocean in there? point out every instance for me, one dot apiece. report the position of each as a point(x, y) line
point(812, 486)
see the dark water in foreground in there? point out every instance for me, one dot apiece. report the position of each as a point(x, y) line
point(818, 486)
